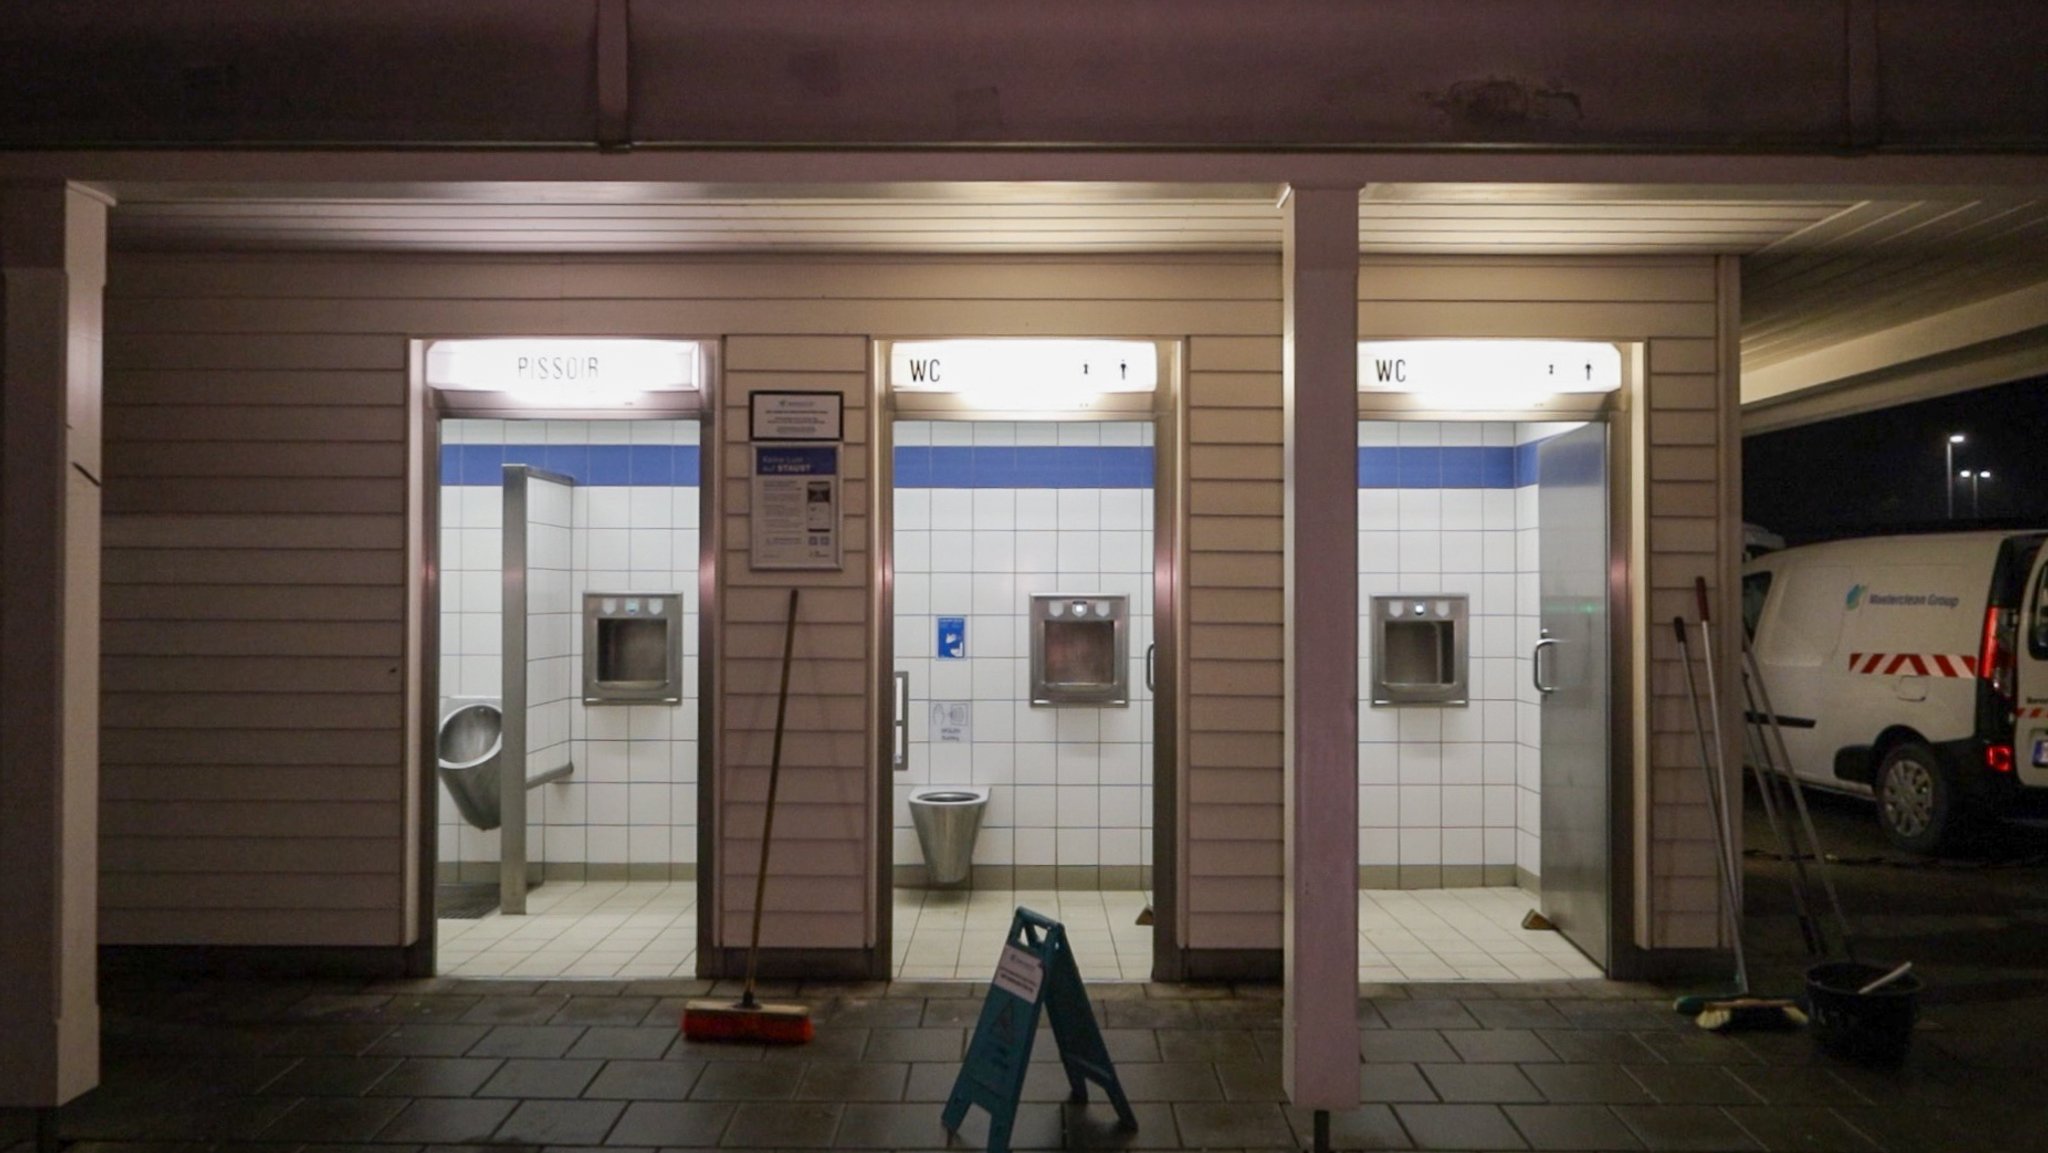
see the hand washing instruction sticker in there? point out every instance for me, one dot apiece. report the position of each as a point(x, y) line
point(952, 638)
point(1019, 974)
point(952, 722)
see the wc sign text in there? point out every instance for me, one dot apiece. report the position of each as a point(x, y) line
point(1009, 365)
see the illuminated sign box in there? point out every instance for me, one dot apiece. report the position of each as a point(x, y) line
point(1489, 371)
point(1024, 368)
point(564, 368)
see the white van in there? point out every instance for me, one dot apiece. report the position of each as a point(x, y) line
point(1898, 667)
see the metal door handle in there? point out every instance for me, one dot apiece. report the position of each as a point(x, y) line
point(1151, 651)
point(1536, 665)
point(901, 725)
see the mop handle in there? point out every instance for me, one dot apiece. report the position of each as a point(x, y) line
point(1716, 808)
point(768, 820)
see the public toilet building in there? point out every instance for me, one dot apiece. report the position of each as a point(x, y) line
point(1244, 517)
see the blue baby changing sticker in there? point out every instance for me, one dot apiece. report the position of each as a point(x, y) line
point(952, 638)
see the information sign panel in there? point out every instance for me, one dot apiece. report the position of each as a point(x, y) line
point(794, 511)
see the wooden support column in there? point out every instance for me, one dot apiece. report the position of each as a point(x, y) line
point(52, 273)
point(1319, 1046)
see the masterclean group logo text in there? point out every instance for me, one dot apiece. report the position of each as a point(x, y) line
point(1861, 594)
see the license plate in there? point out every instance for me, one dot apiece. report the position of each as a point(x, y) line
point(2041, 754)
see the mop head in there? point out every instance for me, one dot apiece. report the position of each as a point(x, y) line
point(762, 1022)
point(1692, 1004)
point(1750, 1014)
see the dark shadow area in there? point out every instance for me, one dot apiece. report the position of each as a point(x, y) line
point(1882, 472)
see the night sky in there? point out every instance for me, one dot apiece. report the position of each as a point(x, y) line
point(1882, 471)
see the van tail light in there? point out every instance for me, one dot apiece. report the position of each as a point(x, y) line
point(1997, 656)
point(1998, 758)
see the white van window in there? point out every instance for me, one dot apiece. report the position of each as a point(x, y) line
point(1755, 587)
point(1807, 623)
point(2037, 630)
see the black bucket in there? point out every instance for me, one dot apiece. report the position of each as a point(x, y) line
point(1873, 1028)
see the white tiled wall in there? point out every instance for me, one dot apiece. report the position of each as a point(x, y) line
point(1069, 785)
point(633, 798)
point(1454, 785)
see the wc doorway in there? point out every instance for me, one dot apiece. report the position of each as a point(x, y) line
point(1485, 714)
point(1028, 756)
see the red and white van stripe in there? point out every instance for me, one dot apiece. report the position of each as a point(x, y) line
point(1913, 664)
point(2034, 712)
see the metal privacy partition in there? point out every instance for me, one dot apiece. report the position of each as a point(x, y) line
point(539, 676)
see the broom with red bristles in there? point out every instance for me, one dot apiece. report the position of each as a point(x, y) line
point(749, 1019)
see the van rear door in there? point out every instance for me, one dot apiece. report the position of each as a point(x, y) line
point(2030, 666)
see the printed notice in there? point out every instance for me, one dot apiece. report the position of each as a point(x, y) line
point(1019, 974)
point(795, 508)
point(952, 722)
point(795, 416)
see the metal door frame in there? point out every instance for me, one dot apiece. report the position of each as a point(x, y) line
point(1168, 415)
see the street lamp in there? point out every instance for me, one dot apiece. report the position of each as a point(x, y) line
point(1981, 474)
point(1948, 471)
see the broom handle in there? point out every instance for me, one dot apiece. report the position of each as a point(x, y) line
point(1720, 765)
point(768, 822)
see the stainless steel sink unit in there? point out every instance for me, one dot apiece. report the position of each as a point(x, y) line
point(1420, 649)
point(1080, 649)
point(632, 648)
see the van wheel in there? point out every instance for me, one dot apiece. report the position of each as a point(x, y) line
point(1916, 799)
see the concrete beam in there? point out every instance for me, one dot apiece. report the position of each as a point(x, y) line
point(1823, 75)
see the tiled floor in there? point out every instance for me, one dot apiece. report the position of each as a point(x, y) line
point(954, 935)
point(649, 930)
point(1459, 935)
point(633, 930)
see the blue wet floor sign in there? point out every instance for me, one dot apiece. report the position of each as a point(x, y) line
point(1037, 970)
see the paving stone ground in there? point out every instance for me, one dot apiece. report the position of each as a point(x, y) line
point(449, 1065)
point(321, 1067)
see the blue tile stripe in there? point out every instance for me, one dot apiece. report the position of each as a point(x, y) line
point(1048, 466)
point(589, 464)
point(1462, 466)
